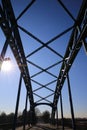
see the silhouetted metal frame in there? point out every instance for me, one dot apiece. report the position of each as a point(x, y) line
point(43, 98)
point(47, 43)
point(3, 27)
point(57, 117)
point(42, 70)
point(17, 103)
point(68, 12)
point(77, 37)
point(71, 103)
point(27, 7)
point(25, 113)
point(15, 43)
point(61, 105)
point(71, 51)
point(12, 36)
point(35, 51)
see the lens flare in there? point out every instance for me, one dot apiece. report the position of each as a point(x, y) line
point(6, 66)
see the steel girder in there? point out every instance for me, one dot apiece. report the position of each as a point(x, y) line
point(8, 23)
point(9, 26)
point(77, 38)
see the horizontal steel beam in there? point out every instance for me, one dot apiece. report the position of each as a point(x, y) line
point(48, 104)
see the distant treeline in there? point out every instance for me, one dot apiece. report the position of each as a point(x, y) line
point(6, 121)
point(27, 117)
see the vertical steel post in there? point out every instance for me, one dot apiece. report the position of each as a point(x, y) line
point(17, 103)
point(61, 104)
point(71, 103)
point(53, 116)
point(57, 116)
point(25, 111)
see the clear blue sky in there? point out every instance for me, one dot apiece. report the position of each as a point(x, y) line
point(45, 19)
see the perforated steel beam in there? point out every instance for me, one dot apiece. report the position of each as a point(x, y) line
point(77, 37)
point(9, 27)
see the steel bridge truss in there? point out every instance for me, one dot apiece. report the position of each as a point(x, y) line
point(10, 28)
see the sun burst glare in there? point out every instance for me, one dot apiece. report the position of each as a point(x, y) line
point(6, 66)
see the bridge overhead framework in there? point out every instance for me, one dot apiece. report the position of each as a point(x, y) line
point(43, 66)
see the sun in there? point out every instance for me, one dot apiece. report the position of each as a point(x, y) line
point(6, 66)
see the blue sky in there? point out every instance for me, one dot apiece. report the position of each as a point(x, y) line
point(45, 19)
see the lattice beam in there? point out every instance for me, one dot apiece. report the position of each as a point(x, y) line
point(77, 37)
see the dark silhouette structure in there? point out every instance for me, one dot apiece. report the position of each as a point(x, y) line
point(10, 28)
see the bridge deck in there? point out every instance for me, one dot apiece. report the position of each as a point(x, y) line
point(43, 127)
